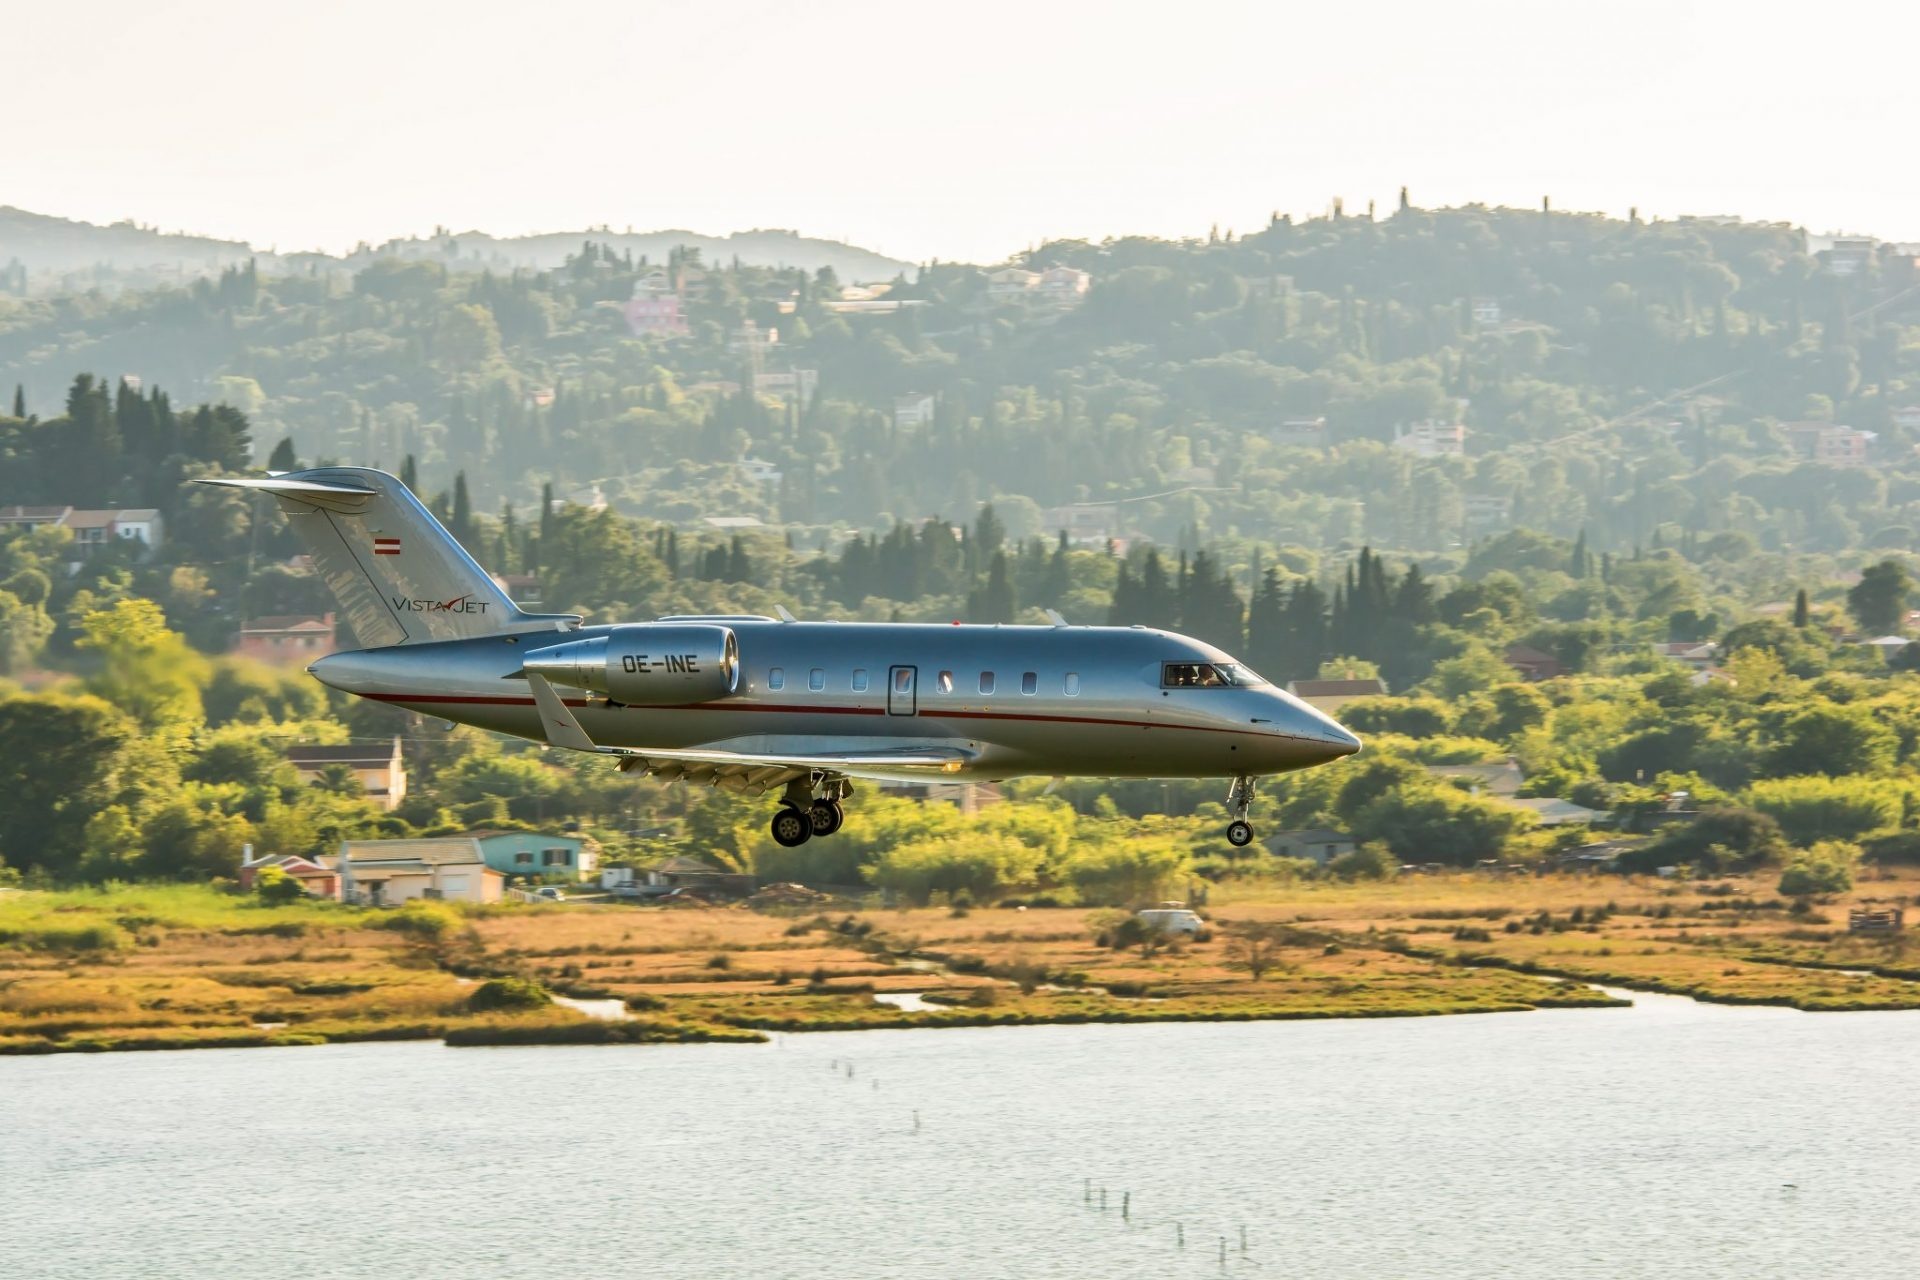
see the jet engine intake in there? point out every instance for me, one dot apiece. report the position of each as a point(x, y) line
point(646, 665)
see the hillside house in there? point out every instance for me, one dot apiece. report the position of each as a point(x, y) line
point(380, 770)
point(1829, 444)
point(538, 854)
point(700, 877)
point(1550, 811)
point(1501, 778)
point(93, 529)
point(1300, 433)
point(1317, 844)
point(1431, 438)
point(1532, 664)
point(315, 880)
point(1092, 524)
point(913, 410)
point(1331, 695)
point(386, 873)
point(280, 638)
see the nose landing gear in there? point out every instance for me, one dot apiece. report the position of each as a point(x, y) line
point(1240, 799)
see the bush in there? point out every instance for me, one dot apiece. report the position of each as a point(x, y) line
point(273, 886)
point(1826, 868)
point(1817, 807)
point(508, 994)
point(1892, 848)
point(1728, 839)
point(1369, 861)
point(424, 920)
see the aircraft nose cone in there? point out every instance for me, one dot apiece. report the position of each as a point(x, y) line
point(355, 671)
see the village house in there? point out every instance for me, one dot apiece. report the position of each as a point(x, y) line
point(914, 410)
point(1550, 811)
point(1431, 438)
point(1485, 512)
point(1907, 417)
point(1090, 524)
point(538, 854)
point(285, 638)
point(379, 769)
point(1009, 282)
point(1829, 444)
point(1486, 311)
point(1532, 664)
point(1300, 433)
point(1317, 844)
point(314, 880)
point(693, 875)
point(93, 529)
point(1698, 654)
point(1499, 778)
point(1331, 695)
point(655, 311)
point(758, 471)
point(386, 873)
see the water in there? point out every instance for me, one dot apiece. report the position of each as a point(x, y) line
point(1605, 1143)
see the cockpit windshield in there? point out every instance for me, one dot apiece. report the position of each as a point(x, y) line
point(1207, 675)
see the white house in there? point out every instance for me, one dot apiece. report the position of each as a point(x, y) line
point(385, 873)
point(1431, 438)
point(914, 410)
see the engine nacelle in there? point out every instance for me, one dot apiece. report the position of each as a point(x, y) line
point(647, 665)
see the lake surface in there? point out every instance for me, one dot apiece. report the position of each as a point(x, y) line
point(1656, 1141)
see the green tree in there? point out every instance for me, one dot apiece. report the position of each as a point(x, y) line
point(145, 668)
point(1878, 601)
point(1828, 739)
point(62, 760)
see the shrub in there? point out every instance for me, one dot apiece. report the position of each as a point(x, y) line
point(1727, 839)
point(273, 886)
point(423, 920)
point(1826, 868)
point(1892, 848)
point(508, 994)
point(1817, 807)
point(1370, 861)
point(66, 938)
point(720, 960)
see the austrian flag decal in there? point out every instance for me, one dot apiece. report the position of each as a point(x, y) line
point(386, 546)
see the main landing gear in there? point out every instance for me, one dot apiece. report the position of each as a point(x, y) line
point(811, 807)
point(1240, 799)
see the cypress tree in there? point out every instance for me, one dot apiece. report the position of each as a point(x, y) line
point(462, 528)
point(1802, 611)
point(282, 458)
point(19, 400)
point(410, 474)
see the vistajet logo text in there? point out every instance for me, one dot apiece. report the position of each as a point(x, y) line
point(459, 604)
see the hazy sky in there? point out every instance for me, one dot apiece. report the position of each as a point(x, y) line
point(961, 130)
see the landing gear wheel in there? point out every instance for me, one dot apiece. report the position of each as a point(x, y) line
point(792, 828)
point(826, 817)
point(1239, 834)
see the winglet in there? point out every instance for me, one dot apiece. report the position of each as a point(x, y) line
point(1053, 616)
point(563, 728)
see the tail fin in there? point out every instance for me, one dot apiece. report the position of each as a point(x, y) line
point(398, 574)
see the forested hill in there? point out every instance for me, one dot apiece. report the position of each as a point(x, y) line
point(1617, 378)
point(49, 255)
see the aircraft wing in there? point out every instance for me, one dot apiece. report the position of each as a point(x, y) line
point(740, 770)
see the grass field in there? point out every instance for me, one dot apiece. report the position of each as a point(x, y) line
point(174, 966)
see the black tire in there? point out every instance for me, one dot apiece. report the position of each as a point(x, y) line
point(826, 816)
point(1239, 834)
point(791, 828)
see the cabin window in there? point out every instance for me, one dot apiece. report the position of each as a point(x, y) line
point(986, 682)
point(1073, 684)
point(776, 678)
point(945, 682)
point(556, 857)
point(1030, 683)
point(859, 679)
point(524, 856)
point(816, 679)
point(903, 679)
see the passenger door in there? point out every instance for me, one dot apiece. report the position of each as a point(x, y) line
point(901, 695)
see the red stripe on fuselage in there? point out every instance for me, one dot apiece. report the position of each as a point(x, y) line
point(833, 711)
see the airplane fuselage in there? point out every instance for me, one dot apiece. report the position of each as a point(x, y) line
point(1012, 700)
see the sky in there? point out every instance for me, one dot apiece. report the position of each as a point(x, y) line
point(954, 131)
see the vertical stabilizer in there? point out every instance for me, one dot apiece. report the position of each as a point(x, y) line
point(399, 576)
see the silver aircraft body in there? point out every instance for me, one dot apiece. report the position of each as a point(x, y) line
point(757, 704)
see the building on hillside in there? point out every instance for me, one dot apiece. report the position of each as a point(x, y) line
point(1698, 654)
point(1011, 282)
point(1887, 645)
point(1550, 811)
point(733, 524)
point(93, 529)
point(1431, 438)
point(1829, 443)
point(1500, 778)
point(1486, 312)
point(914, 410)
point(381, 770)
point(1331, 695)
point(521, 588)
point(657, 314)
point(798, 384)
point(1318, 844)
point(1063, 286)
point(696, 876)
point(1086, 524)
point(386, 873)
point(1300, 433)
point(1532, 664)
point(315, 880)
point(1849, 255)
point(538, 854)
point(968, 797)
point(1705, 676)
point(1907, 417)
point(1486, 513)
point(286, 638)
point(759, 471)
